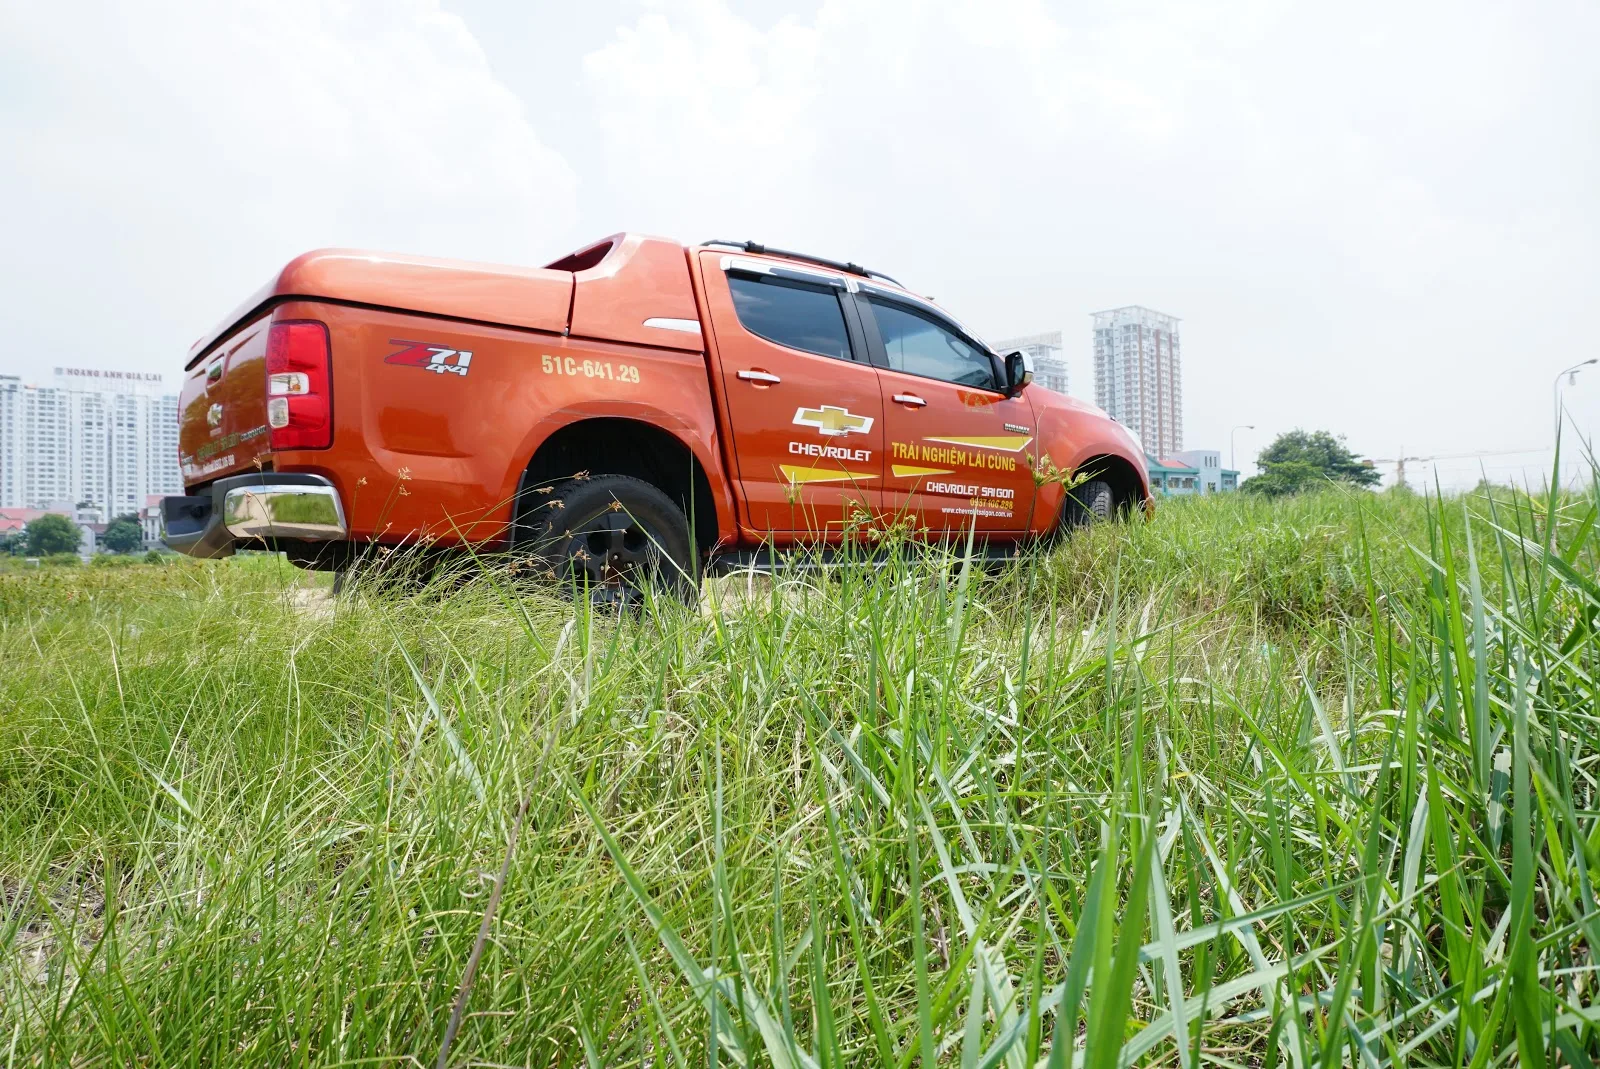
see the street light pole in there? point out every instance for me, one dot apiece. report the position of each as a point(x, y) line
point(1556, 388)
point(1232, 459)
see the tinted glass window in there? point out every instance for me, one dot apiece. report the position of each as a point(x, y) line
point(791, 313)
point(918, 345)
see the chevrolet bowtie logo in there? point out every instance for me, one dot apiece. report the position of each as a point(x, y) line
point(833, 421)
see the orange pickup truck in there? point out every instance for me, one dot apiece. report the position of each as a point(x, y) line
point(634, 409)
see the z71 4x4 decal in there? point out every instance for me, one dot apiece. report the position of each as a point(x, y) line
point(436, 358)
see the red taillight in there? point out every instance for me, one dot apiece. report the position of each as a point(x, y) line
point(299, 386)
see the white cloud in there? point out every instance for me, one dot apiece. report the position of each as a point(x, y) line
point(1342, 202)
point(167, 157)
point(1374, 218)
point(702, 101)
point(918, 104)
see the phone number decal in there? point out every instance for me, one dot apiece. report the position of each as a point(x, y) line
point(572, 367)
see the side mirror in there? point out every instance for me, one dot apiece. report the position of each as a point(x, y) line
point(1019, 371)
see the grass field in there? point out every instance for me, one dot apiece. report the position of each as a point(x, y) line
point(1307, 782)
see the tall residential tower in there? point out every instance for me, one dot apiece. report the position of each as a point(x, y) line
point(1138, 375)
point(1049, 365)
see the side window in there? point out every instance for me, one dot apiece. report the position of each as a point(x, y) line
point(790, 313)
point(918, 345)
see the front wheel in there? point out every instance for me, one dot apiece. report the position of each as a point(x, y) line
point(1090, 502)
point(612, 537)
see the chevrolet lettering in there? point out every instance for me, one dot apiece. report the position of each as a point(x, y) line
point(829, 452)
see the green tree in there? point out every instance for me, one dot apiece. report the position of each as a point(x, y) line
point(123, 535)
point(52, 533)
point(1305, 460)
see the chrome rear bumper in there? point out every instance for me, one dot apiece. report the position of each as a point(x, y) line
point(284, 510)
point(259, 507)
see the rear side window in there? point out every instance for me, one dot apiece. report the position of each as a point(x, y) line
point(792, 314)
point(919, 345)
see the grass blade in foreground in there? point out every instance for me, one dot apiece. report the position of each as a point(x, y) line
point(807, 822)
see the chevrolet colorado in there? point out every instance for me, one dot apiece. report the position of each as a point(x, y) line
point(636, 408)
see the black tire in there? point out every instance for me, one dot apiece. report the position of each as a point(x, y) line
point(1092, 502)
point(610, 536)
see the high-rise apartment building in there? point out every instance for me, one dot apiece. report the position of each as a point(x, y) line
point(10, 441)
point(1049, 363)
point(103, 439)
point(1138, 375)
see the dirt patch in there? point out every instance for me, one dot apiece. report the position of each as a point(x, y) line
point(74, 907)
point(314, 603)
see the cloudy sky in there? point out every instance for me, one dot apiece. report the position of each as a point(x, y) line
point(1375, 218)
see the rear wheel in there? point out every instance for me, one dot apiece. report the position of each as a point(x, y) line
point(1091, 502)
point(610, 538)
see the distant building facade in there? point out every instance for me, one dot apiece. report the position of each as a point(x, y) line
point(10, 442)
point(1138, 375)
point(1214, 478)
point(1049, 359)
point(1193, 471)
point(105, 439)
point(1169, 476)
point(150, 521)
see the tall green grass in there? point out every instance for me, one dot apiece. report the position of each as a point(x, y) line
point(1306, 782)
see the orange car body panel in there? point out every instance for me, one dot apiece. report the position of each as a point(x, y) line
point(640, 280)
point(229, 381)
point(418, 455)
point(530, 297)
point(757, 421)
point(955, 459)
point(648, 333)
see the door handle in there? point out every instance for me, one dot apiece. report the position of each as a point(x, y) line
point(910, 399)
point(762, 377)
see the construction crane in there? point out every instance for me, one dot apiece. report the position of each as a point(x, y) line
point(1401, 461)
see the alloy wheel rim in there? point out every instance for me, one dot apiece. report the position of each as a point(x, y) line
point(612, 550)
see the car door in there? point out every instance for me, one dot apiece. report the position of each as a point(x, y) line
point(959, 450)
point(805, 412)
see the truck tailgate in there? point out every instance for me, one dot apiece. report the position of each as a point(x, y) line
point(222, 425)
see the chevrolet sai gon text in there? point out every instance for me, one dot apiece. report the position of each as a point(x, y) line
point(636, 409)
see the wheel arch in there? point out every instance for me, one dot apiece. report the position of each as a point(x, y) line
point(620, 445)
point(1127, 482)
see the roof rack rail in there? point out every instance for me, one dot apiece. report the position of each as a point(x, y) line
point(758, 249)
